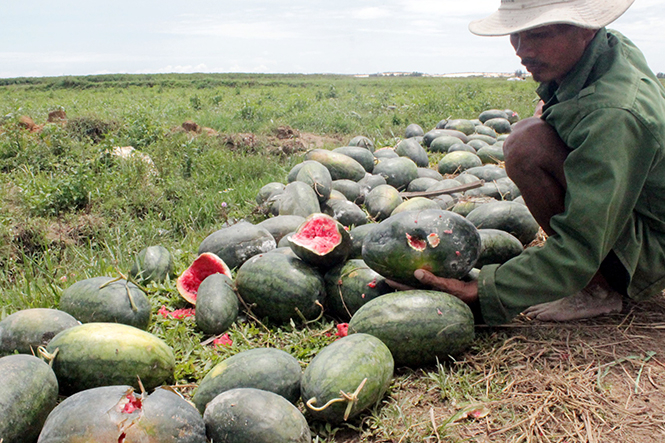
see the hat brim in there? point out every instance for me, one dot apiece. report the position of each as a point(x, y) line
point(593, 14)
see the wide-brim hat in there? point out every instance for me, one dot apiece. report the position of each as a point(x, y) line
point(521, 15)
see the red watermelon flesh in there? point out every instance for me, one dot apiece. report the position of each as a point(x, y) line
point(320, 235)
point(205, 264)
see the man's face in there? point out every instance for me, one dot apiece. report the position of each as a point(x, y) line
point(550, 52)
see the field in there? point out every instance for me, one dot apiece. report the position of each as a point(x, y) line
point(70, 210)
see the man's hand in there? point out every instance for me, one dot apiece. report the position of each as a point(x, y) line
point(465, 291)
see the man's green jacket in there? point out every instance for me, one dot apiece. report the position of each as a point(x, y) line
point(610, 111)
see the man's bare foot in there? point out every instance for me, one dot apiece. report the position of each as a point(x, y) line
point(592, 301)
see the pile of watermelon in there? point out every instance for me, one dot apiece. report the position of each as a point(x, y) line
point(345, 223)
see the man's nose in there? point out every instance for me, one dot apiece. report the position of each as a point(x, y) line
point(521, 45)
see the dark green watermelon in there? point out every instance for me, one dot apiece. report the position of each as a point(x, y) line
point(381, 201)
point(24, 331)
point(216, 304)
point(317, 177)
point(418, 326)
point(118, 414)
point(152, 264)
point(248, 415)
point(439, 241)
point(236, 243)
point(497, 246)
point(358, 365)
point(104, 299)
point(398, 172)
point(28, 393)
point(280, 287)
point(508, 216)
point(350, 285)
point(268, 369)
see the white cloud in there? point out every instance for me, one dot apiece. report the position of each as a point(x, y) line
point(371, 13)
point(262, 30)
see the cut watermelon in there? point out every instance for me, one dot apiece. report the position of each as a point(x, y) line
point(205, 264)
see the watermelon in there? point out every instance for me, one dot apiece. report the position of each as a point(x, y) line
point(350, 189)
point(321, 241)
point(152, 264)
point(458, 161)
point(268, 191)
point(24, 331)
point(439, 241)
point(508, 216)
point(281, 225)
point(268, 369)
point(497, 246)
point(28, 393)
point(350, 285)
point(105, 299)
point(385, 153)
point(462, 125)
point(346, 377)
point(485, 130)
point(429, 173)
point(418, 326)
point(462, 147)
point(340, 166)
point(317, 177)
point(299, 199)
point(500, 125)
point(421, 184)
point(415, 204)
point(248, 415)
point(487, 172)
point(443, 142)
point(491, 154)
point(205, 264)
point(118, 414)
point(236, 243)
point(398, 172)
point(280, 287)
point(381, 201)
point(216, 304)
point(357, 235)
point(345, 212)
point(362, 155)
point(492, 113)
point(363, 142)
point(102, 354)
point(410, 148)
point(413, 130)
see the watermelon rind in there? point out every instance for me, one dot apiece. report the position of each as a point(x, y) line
point(103, 354)
point(359, 365)
point(268, 369)
point(418, 326)
point(28, 393)
point(248, 415)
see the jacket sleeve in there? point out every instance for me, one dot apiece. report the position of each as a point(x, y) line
point(605, 174)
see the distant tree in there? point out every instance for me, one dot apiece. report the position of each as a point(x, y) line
point(519, 73)
point(661, 75)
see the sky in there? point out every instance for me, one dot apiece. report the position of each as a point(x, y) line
point(73, 37)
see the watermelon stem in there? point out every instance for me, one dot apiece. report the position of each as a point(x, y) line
point(351, 400)
point(50, 357)
point(316, 319)
point(105, 284)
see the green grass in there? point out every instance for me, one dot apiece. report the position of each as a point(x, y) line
point(69, 210)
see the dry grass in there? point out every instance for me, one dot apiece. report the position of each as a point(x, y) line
point(594, 381)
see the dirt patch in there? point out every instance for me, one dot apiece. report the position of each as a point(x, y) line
point(284, 141)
